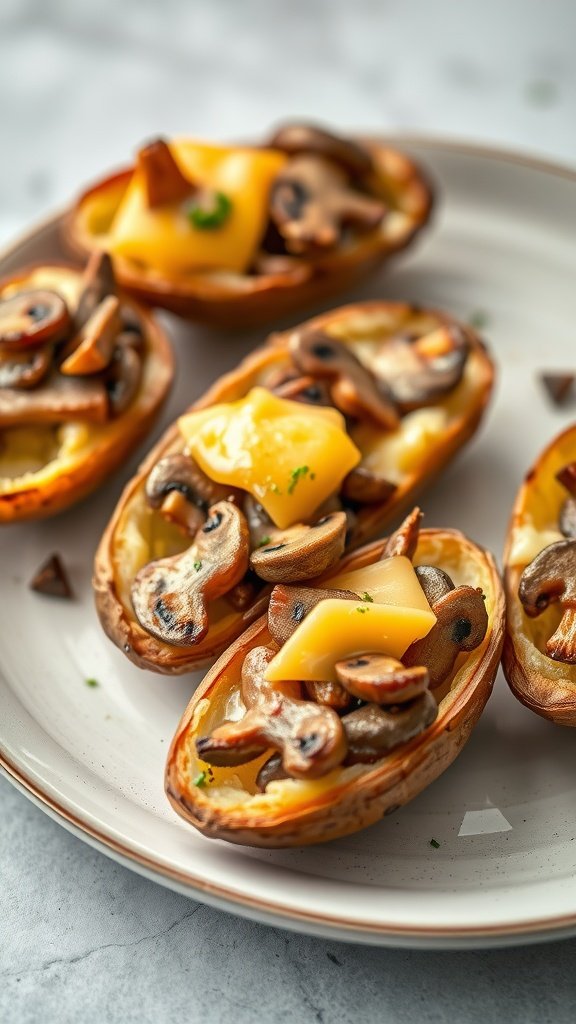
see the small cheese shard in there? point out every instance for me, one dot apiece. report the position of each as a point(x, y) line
point(527, 542)
point(391, 581)
point(405, 450)
point(336, 629)
point(288, 455)
point(165, 239)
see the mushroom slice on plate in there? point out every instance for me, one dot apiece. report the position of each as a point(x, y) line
point(387, 754)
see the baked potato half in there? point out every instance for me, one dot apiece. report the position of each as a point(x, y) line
point(83, 374)
point(243, 236)
point(340, 765)
point(383, 396)
point(540, 578)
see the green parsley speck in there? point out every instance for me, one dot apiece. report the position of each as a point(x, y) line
point(435, 844)
point(478, 319)
point(264, 541)
point(210, 212)
point(92, 683)
point(200, 780)
point(197, 566)
point(362, 610)
point(366, 597)
point(296, 475)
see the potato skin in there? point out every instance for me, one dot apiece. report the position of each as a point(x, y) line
point(88, 471)
point(347, 806)
point(544, 686)
point(253, 300)
point(120, 625)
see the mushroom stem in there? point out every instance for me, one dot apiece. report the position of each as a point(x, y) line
point(404, 540)
point(372, 731)
point(163, 180)
point(562, 644)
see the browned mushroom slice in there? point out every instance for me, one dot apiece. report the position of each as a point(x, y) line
point(404, 540)
point(307, 138)
point(434, 582)
point(242, 595)
point(98, 281)
point(171, 596)
point(271, 771)
point(365, 487)
point(304, 389)
point(91, 350)
point(33, 318)
point(372, 731)
point(122, 378)
point(381, 679)
point(289, 606)
point(354, 388)
point(52, 579)
point(301, 552)
point(311, 202)
point(25, 369)
point(461, 624)
point(420, 370)
point(333, 695)
point(57, 399)
point(260, 525)
point(551, 578)
point(567, 518)
point(182, 491)
point(163, 180)
point(309, 736)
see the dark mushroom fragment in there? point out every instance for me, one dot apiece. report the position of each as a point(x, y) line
point(354, 388)
point(380, 679)
point(372, 731)
point(90, 351)
point(365, 487)
point(171, 596)
point(309, 737)
point(461, 624)
point(52, 579)
point(311, 202)
point(25, 369)
point(289, 606)
point(551, 578)
point(418, 370)
point(567, 518)
point(164, 182)
point(404, 540)
point(333, 695)
point(33, 318)
point(182, 491)
point(307, 138)
point(559, 386)
point(57, 399)
point(260, 524)
point(98, 281)
point(301, 552)
point(304, 389)
point(271, 771)
point(122, 378)
point(434, 582)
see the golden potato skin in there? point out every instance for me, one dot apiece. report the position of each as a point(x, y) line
point(349, 805)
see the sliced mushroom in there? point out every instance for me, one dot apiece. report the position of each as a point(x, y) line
point(98, 281)
point(57, 399)
point(567, 519)
point(372, 731)
point(381, 679)
point(309, 737)
point(461, 624)
point(242, 595)
point(33, 318)
point(434, 582)
point(171, 596)
point(122, 378)
point(551, 578)
point(259, 523)
point(164, 182)
point(52, 579)
point(182, 491)
point(404, 540)
point(301, 552)
point(91, 350)
point(307, 138)
point(354, 389)
point(25, 369)
point(364, 486)
point(304, 389)
point(289, 606)
point(418, 370)
point(311, 203)
point(333, 695)
point(271, 771)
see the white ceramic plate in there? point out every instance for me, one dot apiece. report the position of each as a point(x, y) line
point(503, 244)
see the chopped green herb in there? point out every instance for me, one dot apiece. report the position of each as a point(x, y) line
point(197, 566)
point(296, 475)
point(478, 319)
point(362, 610)
point(542, 92)
point(210, 211)
point(200, 779)
point(435, 844)
point(366, 597)
point(275, 489)
point(92, 683)
point(264, 541)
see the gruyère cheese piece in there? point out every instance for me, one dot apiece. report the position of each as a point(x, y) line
point(527, 542)
point(288, 455)
point(403, 450)
point(391, 581)
point(165, 238)
point(336, 629)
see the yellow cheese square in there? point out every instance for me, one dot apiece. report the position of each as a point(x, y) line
point(391, 581)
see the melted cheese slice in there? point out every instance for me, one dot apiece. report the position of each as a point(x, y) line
point(165, 239)
point(336, 629)
point(288, 455)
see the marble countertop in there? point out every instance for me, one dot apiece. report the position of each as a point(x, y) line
point(80, 84)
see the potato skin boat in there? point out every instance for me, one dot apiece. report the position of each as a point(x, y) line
point(242, 300)
point(544, 686)
point(301, 813)
point(115, 552)
point(44, 494)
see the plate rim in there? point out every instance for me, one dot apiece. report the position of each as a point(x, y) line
point(266, 910)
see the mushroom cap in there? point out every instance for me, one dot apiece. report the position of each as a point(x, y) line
point(379, 679)
point(549, 577)
point(309, 138)
point(303, 551)
point(32, 317)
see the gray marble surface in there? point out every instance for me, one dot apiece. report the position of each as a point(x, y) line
point(80, 84)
